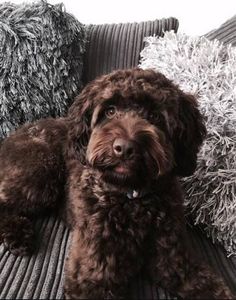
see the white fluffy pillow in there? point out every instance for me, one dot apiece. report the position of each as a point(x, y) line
point(208, 70)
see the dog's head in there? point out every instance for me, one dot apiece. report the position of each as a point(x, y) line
point(133, 126)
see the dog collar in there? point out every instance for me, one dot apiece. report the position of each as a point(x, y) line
point(135, 194)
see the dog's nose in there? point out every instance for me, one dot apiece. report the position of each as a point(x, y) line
point(123, 148)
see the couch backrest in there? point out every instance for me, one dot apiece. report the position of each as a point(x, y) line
point(117, 46)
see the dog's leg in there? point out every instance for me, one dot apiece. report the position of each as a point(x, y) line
point(86, 277)
point(17, 234)
point(32, 179)
point(87, 289)
point(178, 271)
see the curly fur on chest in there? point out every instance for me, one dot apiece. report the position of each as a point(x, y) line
point(113, 237)
point(116, 231)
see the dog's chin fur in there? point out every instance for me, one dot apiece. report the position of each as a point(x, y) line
point(136, 174)
point(127, 180)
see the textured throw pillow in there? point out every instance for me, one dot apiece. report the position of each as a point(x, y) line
point(41, 49)
point(226, 33)
point(117, 46)
point(208, 70)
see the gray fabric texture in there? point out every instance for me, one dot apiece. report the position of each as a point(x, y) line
point(117, 46)
point(226, 33)
point(41, 55)
point(208, 70)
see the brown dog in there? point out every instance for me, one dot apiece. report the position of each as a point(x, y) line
point(127, 138)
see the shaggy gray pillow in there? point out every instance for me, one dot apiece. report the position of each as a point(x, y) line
point(41, 49)
point(208, 70)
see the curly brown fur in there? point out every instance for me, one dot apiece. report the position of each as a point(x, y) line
point(130, 134)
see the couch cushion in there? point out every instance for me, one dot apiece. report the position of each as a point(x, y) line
point(117, 46)
point(41, 49)
point(41, 275)
point(226, 33)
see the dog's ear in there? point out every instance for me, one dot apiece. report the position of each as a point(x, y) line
point(189, 135)
point(79, 120)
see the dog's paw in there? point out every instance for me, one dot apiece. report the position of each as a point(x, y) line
point(219, 292)
point(112, 296)
point(74, 291)
point(224, 293)
point(17, 248)
point(95, 295)
point(19, 240)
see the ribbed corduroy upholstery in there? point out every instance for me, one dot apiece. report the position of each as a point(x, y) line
point(226, 33)
point(117, 46)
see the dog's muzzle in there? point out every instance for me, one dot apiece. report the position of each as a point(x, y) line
point(124, 148)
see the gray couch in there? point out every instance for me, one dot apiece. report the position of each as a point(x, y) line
point(40, 276)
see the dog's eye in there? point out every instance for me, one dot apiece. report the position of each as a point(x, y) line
point(110, 111)
point(154, 116)
point(137, 106)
